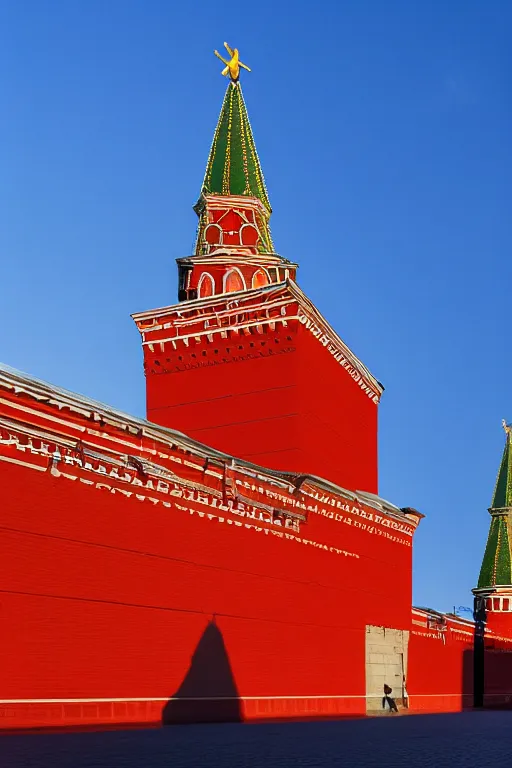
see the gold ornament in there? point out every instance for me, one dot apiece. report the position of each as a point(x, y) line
point(232, 67)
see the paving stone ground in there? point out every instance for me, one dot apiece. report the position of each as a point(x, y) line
point(468, 740)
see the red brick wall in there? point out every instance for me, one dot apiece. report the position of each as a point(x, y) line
point(440, 671)
point(108, 597)
point(280, 399)
point(441, 668)
point(338, 421)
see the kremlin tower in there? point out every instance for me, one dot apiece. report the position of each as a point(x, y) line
point(245, 362)
point(494, 590)
point(227, 558)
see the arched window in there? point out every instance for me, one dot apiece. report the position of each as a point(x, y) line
point(259, 279)
point(206, 286)
point(213, 234)
point(234, 281)
point(249, 234)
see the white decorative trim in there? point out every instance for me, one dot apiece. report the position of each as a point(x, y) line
point(25, 464)
point(113, 475)
point(187, 308)
point(273, 294)
point(221, 202)
point(302, 697)
point(170, 490)
point(139, 431)
point(33, 412)
point(213, 331)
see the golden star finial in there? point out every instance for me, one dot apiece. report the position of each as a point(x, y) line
point(232, 67)
point(506, 427)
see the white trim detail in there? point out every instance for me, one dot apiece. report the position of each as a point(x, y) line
point(48, 416)
point(233, 698)
point(22, 463)
point(150, 440)
point(187, 312)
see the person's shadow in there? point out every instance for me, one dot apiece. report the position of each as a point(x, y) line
point(208, 692)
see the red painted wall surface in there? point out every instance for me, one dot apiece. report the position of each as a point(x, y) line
point(279, 399)
point(247, 407)
point(441, 666)
point(440, 671)
point(104, 597)
point(338, 421)
point(500, 623)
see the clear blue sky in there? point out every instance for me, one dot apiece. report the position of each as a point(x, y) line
point(393, 117)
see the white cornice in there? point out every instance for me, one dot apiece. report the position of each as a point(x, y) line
point(307, 314)
point(224, 202)
point(223, 255)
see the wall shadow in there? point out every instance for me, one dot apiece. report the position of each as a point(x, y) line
point(208, 692)
point(473, 661)
point(480, 618)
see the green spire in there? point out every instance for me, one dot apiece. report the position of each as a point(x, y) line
point(233, 165)
point(497, 563)
point(502, 496)
point(496, 566)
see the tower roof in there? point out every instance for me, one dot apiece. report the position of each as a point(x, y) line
point(233, 165)
point(502, 496)
point(497, 563)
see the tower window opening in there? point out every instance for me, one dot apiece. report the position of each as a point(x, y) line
point(506, 604)
point(206, 286)
point(249, 235)
point(234, 281)
point(260, 278)
point(213, 234)
point(496, 604)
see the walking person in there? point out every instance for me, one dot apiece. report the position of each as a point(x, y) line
point(387, 699)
